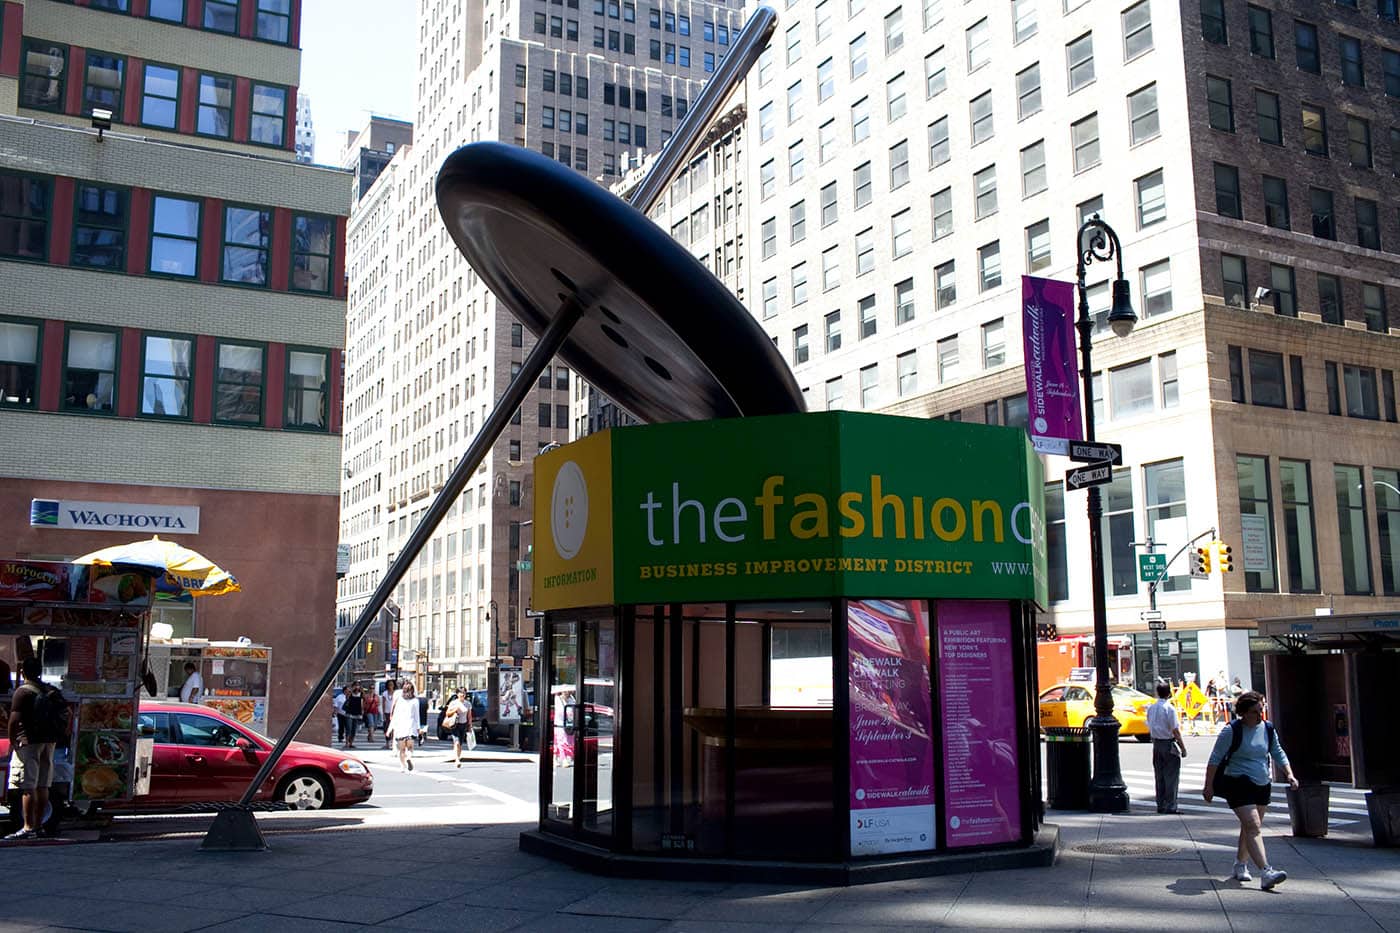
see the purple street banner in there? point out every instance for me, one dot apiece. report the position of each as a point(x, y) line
point(977, 696)
point(892, 804)
point(1052, 384)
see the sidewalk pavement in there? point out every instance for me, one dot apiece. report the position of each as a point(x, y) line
point(380, 757)
point(473, 879)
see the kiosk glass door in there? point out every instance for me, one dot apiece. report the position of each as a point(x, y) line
point(582, 726)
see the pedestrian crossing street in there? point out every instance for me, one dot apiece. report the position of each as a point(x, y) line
point(1345, 806)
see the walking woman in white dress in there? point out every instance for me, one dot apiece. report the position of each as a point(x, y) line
point(404, 723)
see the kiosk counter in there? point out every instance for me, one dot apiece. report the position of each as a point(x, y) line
point(801, 640)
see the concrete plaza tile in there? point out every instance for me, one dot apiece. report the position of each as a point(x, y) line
point(939, 887)
point(149, 890)
point(271, 923)
point(569, 923)
point(350, 908)
point(1121, 919)
point(1295, 896)
point(903, 912)
point(553, 875)
point(781, 906)
point(1278, 920)
point(309, 882)
point(462, 918)
point(1175, 892)
point(732, 926)
point(513, 892)
point(650, 906)
point(987, 916)
point(109, 917)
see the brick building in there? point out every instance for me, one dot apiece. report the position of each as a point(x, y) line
point(171, 338)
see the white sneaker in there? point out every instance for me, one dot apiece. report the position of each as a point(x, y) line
point(1270, 878)
point(1241, 872)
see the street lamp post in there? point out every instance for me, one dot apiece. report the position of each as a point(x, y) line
point(1098, 241)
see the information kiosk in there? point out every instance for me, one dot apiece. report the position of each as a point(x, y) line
point(795, 646)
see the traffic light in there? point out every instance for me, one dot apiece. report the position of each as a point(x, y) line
point(1222, 556)
point(1200, 562)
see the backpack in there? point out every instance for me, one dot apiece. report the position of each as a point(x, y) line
point(1236, 738)
point(50, 717)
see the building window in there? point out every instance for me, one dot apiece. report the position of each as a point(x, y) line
point(989, 266)
point(1261, 32)
point(1164, 492)
point(826, 80)
point(221, 15)
point(247, 233)
point(1089, 208)
point(1137, 30)
point(1373, 298)
point(797, 222)
point(166, 367)
point(1295, 377)
point(1390, 65)
point(172, 11)
point(1227, 191)
point(1314, 130)
point(19, 364)
point(1084, 136)
point(794, 43)
point(861, 185)
point(100, 217)
point(829, 208)
point(1131, 389)
point(1352, 530)
point(1300, 545)
point(1386, 484)
point(832, 323)
point(1118, 531)
point(268, 123)
point(901, 234)
point(945, 286)
point(770, 297)
point(1368, 225)
point(175, 236)
point(1151, 199)
point(859, 60)
point(1334, 389)
point(767, 177)
point(896, 100)
point(979, 45)
point(935, 73)
point(90, 376)
point(1256, 522)
point(1267, 117)
point(980, 114)
point(1142, 115)
point(826, 141)
point(904, 301)
point(1220, 103)
point(865, 251)
point(160, 92)
point(215, 114)
point(1038, 246)
point(1360, 382)
point(769, 237)
point(907, 373)
point(1285, 292)
point(984, 186)
point(800, 351)
point(1329, 298)
point(102, 85)
point(1276, 203)
point(860, 120)
point(274, 20)
point(306, 389)
point(238, 384)
point(1236, 356)
point(1324, 220)
point(1353, 73)
point(1359, 142)
point(947, 350)
point(1056, 549)
point(45, 71)
point(899, 164)
point(312, 239)
point(894, 31)
point(1166, 374)
point(1305, 41)
point(1266, 385)
point(799, 284)
point(1079, 56)
point(993, 344)
point(942, 206)
point(831, 268)
point(1213, 22)
point(866, 316)
point(1157, 289)
point(939, 149)
point(797, 162)
point(833, 394)
point(1028, 99)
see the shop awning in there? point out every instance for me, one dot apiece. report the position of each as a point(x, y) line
point(1350, 630)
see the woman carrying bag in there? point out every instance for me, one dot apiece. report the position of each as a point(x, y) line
point(458, 722)
point(404, 724)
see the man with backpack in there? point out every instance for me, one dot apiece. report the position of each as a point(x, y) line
point(39, 719)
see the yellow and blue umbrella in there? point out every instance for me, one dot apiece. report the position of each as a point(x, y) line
point(180, 571)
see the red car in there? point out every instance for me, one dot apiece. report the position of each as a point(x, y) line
point(203, 756)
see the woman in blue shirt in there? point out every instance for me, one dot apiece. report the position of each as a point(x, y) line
point(1245, 784)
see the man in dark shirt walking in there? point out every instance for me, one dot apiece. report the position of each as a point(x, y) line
point(33, 750)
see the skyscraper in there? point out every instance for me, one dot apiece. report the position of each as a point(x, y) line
point(306, 129)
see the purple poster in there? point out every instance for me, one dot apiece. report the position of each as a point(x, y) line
point(892, 806)
point(1052, 384)
point(977, 693)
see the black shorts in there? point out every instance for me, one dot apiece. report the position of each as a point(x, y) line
point(459, 731)
point(1240, 791)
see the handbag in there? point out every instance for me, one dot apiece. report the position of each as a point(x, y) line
point(471, 741)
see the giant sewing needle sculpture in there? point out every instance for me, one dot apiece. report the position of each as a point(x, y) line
point(619, 301)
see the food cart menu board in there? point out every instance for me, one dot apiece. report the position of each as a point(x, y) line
point(977, 693)
point(235, 683)
point(102, 764)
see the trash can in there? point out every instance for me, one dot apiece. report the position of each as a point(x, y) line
point(1307, 809)
point(1383, 806)
point(1067, 767)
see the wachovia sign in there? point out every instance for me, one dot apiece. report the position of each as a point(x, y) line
point(126, 517)
point(790, 506)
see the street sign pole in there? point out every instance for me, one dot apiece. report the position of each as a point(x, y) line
point(1151, 547)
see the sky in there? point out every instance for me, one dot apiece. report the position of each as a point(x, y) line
point(357, 58)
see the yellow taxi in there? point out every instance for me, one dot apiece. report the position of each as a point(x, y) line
point(1073, 704)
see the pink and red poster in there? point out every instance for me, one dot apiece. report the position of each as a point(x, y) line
point(892, 798)
point(977, 695)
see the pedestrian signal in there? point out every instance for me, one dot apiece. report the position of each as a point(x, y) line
point(1200, 563)
point(1222, 557)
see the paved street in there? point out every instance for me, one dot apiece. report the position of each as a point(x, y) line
point(438, 850)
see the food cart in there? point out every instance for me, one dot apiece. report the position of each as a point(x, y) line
point(236, 675)
point(791, 647)
point(86, 624)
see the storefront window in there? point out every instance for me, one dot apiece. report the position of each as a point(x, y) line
point(1300, 540)
point(1256, 524)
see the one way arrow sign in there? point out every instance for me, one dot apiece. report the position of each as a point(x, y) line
point(1081, 452)
point(1096, 474)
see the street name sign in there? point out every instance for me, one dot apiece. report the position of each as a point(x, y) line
point(1081, 452)
point(1150, 566)
point(1093, 475)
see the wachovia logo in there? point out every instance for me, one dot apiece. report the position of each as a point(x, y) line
point(569, 510)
